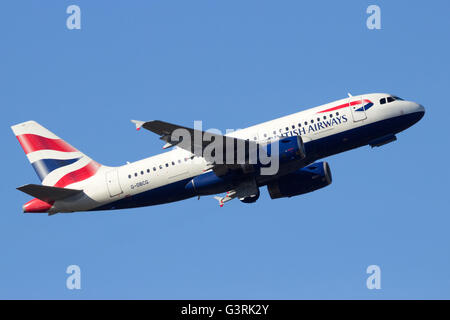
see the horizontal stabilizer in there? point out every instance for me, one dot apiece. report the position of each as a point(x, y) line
point(48, 194)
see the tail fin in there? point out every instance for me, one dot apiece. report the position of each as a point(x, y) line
point(55, 161)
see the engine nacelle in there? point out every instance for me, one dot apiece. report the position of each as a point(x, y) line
point(209, 183)
point(286, 149)
point(281, 156)
point(304, 180)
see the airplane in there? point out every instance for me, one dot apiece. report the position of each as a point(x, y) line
point(72, 182)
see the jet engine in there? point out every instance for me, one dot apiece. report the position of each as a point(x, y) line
point(209, 183)
point(304, 180)
point(289, 149)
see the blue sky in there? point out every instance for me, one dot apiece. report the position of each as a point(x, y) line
point(231, 64)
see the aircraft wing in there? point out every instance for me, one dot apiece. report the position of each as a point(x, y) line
point(197, 141)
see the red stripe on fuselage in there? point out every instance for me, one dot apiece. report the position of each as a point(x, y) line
point(344, 105)
point(78, 175)
point(32, 142)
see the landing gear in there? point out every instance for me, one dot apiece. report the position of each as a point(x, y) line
point(247, 191)
point(250, 199)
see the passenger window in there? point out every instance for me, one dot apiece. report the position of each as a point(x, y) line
point(142, 172)
point(293, 126)
point(383, 101)
point(154, 168)
point(135, 174)
point(160, 166)
point(167, 165)
point(390, 99)
point(299, 124)
point(287, 128)
point(306, 123)
point(318, 119)
point(324, 117)
point(337, 113)
point(129, 176)
point(148, 170)
point(312, 121)
point(173, 163)
point(274, 132)
point(331, 115)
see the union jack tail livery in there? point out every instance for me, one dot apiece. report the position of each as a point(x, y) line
point(57, 163)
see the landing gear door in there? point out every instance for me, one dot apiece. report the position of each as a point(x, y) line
point(112, 181)
point(357, 108)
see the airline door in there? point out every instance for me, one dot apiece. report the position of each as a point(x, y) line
point(112, 181)
point(358, 109)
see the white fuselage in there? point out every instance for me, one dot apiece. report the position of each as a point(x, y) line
point(112, 184)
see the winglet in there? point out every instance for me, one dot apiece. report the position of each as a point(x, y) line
point(168, 145)
point(138, 124)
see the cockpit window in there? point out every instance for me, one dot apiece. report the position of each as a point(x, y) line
point(389, 99)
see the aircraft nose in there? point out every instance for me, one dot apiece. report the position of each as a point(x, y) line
point(416, 112)
point(420, 110)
